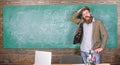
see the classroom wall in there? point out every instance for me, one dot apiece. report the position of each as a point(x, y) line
point(26, 56)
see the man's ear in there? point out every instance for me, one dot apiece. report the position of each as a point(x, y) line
point(91, 13)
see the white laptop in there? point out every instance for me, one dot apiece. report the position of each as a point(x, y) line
point(42, 58)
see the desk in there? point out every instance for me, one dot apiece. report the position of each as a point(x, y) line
point(82, 64)
point(68, 64)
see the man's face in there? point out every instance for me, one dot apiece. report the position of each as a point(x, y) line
point(86, 16)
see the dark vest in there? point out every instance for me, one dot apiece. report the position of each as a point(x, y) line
point(78, 34)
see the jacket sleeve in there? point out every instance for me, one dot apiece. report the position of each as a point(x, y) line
point(75, 19)
point(104, 35)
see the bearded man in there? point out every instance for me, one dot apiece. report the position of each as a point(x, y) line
point(92, 31)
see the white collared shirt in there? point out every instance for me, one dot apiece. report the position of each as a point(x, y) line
point(87, 41)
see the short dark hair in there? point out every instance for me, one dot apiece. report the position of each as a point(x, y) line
point(85, 8)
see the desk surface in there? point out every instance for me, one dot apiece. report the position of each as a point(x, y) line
point(82, 64)
point(68, 64)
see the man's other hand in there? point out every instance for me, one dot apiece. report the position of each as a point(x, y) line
point(98, 50)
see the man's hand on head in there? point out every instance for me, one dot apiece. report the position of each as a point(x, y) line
point(80, 10)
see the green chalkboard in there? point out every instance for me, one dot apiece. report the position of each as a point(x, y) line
point(49, 26)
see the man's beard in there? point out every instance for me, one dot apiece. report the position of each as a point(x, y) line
point(88, 19)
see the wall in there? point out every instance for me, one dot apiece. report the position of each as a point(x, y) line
point(26, 56)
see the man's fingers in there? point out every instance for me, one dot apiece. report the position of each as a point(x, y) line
point(98, 50)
